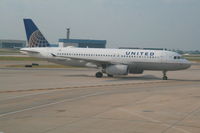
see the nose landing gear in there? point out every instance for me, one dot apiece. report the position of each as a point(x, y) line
point(165, 75)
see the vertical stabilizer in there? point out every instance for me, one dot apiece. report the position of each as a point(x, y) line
point(34, 36)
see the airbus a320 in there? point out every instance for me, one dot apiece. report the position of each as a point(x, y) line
point(109, 61)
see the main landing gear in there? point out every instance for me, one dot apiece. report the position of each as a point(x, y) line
point(99, 75)
point(165, 75)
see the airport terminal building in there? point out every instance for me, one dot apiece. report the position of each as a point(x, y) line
point(12, 43)
point(83, 43)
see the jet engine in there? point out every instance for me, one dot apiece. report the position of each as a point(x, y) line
point(116, 69)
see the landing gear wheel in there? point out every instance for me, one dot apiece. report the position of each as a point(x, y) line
point(109, 75)
point(99, 75)
point(165, 75)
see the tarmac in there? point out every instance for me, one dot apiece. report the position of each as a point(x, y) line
point(72, 100)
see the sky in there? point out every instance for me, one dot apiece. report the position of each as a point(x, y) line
point(172, 24)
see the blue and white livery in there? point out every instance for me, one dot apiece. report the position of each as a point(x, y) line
point(34, 36)
point(110, 61)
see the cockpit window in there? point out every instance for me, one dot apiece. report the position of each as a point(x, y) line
point(178, 57)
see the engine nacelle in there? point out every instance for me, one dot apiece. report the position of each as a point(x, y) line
point(116, 69)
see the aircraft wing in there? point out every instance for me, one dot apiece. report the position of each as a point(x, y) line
point(96, 62)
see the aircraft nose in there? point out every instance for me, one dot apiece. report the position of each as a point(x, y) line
point(187, 64)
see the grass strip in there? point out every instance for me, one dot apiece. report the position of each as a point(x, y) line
point(41, 66)
point(12, 58)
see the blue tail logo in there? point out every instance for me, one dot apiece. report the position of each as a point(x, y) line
point(34, 36)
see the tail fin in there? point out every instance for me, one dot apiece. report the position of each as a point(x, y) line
point(34, 36)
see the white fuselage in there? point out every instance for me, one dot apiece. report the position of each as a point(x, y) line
point(91, 57)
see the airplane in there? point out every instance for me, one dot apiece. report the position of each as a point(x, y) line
point(112, 62)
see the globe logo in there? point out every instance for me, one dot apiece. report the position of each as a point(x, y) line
point(37, 40)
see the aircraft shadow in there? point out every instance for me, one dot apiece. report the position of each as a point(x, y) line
point(144, 77)
point(126, 78)
point(80, 75)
